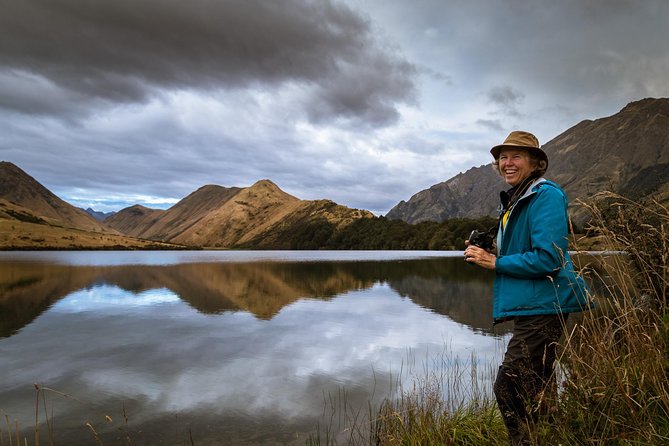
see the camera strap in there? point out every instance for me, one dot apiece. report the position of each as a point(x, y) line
point(510, 197)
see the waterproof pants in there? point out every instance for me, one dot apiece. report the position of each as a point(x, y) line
point(526, 376)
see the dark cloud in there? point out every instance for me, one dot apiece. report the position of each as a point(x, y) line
point(492, 124)
point(124, 50)
point(364, 89)
point(159, 97)
point(507, 98)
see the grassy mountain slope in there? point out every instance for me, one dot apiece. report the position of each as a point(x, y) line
point(627, 153)
point(19, 188)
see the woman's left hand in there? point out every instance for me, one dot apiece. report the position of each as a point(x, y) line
point(480, 257)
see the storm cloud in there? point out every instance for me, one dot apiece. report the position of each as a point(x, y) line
point(364, 102)
point(78, 55)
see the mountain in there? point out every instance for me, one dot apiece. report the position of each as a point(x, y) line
point(213, 216)
point(133, 220)
point(260, 216)
point(248, 212)
point(626, 153)
point(99, 216)
point(469, 194)
point(155, 224)
point(32, 217)
point(20, 189)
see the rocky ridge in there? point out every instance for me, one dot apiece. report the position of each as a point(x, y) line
point(627, 153)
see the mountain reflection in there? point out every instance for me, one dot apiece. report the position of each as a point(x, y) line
point(446, 286)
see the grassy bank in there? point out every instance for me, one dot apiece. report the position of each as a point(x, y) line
point(613, 372)
point(616, 361)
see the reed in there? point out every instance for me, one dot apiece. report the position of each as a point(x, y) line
point(44, 416)
point(613, 366)
point(616, 360)
point(446, 401)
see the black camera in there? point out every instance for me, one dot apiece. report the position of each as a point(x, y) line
point(482, 239)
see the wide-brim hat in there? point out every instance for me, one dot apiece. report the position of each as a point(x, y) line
point(520, 140)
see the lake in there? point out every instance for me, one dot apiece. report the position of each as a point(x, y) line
point(230, 347)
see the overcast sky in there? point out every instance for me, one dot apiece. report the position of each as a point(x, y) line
point(365, 102)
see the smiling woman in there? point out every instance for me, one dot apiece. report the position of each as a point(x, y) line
point(535, 282)
point(515, 166)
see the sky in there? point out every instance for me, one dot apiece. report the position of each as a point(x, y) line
point(363, 102)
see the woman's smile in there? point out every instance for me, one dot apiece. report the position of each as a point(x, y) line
point(515, 165)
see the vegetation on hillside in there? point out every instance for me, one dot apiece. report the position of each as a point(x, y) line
point(32, 233)
point(616, 362)
point(374, 233)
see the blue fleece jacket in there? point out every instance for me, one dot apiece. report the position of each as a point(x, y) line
point(534, 274)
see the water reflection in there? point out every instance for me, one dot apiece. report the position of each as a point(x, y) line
point(446, 285)
point(228, 352)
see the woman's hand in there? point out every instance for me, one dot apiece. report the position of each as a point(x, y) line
point(479, 256)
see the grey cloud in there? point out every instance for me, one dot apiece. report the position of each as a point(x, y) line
point(365, 89)
point(505, 96)
point(122, 51)
point(492, 124)
point(447, 79)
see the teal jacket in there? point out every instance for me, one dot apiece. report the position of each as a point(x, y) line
point(534, 274)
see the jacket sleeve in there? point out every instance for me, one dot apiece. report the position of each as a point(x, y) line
point(547, 238)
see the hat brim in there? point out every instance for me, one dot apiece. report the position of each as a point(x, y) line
point(495, 151)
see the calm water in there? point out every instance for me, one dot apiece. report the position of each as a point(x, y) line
point(228, 347)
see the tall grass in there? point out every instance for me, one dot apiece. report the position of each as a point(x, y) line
point(613, 365)
point(445, 406)
point(446, 401)
point(616, 361)
point(14, 435)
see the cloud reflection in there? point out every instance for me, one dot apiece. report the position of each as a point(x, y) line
point(179, 359)
point(138, 337)
point(109, 298)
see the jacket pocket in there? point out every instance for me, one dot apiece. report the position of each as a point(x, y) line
point(516, 295)
point(546, 293)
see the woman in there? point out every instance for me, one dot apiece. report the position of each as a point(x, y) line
point(535, 284)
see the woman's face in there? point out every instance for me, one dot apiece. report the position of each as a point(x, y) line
point(515, 165)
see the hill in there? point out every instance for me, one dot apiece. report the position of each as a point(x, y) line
point(32, 217)
point(626, 153)
point(155, 224)
point(258, 216)
point(133, 220)
point(20, 189)
point(99, 216)
point(262, 215)
point(21, 228)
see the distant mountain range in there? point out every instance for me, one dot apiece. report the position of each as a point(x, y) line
point(99, 216)
point(212, 216)
point(627, 153)
point(216, 216)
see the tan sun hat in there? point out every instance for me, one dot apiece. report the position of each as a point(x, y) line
point(520, 140)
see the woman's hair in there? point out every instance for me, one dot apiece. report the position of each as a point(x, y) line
point(539, 165)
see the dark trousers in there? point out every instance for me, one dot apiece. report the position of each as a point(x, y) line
point(526, 374)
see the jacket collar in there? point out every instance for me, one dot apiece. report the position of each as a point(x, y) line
point(508, 198)
point(532, 189)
